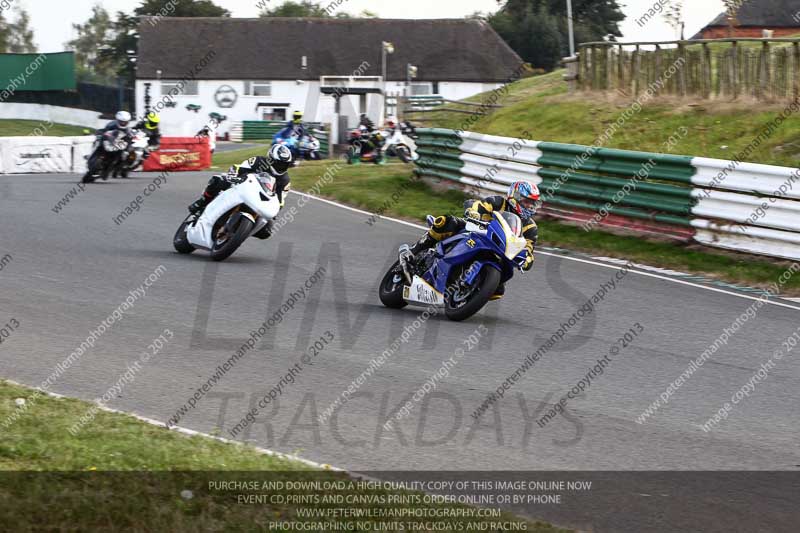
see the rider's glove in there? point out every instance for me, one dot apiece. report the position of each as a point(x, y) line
point(471, 213)
point(525, 261)
point(528, 262)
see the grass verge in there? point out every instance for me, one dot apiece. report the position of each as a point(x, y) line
point(718, 129)
point(371, 187)
point(121, 474)
point(23, 128)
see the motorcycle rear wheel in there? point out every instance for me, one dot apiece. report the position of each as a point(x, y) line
point(404, 154)
point(474, 298)
point(223, 248)
point(353, 155)
point(391, 290)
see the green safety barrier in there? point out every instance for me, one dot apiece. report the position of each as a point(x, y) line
point(657, 187)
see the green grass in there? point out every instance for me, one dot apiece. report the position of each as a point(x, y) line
point(717, 129)
point(121, 474)
point(23, 128)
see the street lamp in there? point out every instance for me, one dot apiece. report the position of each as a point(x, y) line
point(386, 48)
point(571, 30)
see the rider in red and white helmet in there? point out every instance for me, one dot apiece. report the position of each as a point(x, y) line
point(522, 199)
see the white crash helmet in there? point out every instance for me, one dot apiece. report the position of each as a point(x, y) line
point(123, 118)
point(280, 159)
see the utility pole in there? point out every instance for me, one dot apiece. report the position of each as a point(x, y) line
point(386, 48)
point(571, 30)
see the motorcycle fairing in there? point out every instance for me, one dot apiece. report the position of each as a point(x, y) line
point(465, 247)
point(421, 292)
point(249, 193)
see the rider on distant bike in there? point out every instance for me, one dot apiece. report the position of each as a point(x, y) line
point(150, 127)
point(121, 121)
point(522, 199)
point(293, 127)
point(276, 163)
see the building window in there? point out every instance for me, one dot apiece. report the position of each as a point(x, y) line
point(179, 88)
point(274, 114)
point(418, 89)
point(258, 88)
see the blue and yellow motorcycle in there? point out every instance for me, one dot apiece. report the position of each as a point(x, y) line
point(459, 274)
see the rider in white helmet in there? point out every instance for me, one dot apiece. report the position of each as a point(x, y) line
point(122, 121)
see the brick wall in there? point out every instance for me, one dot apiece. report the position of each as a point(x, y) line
point(723, 33)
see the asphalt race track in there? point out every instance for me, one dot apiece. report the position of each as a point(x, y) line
point(71, 269)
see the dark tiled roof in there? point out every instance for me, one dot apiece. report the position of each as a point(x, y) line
point(764, 13)
point(271, 48)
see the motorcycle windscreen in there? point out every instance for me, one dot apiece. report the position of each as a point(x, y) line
point(514, 223)
point(267, 183)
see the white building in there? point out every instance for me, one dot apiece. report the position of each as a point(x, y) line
point(263, 69)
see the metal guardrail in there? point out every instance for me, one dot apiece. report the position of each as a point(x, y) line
point(741, 206)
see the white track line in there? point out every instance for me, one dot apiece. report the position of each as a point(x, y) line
point(187, 431)
point(569, 258)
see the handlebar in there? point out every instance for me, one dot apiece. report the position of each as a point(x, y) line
point(482, 223)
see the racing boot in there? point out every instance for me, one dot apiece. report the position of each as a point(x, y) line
point(427, 241)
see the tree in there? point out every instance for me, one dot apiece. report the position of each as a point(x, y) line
point(535, 40)
point(732, 13)
point(303, 8)
point(19, 38)
point(116, 42)
point(673, 14)
point(90, 38)
point(543, 51)
point(181, 8)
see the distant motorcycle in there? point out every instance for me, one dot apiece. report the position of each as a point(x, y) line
point(308, 148)
point(365, 146)
point(134, 155)
point(106, 154)
point(304, 147)
point(461, 273)
point(400, 143)
point(242, 211)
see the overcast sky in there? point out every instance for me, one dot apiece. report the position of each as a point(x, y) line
point(52, 19)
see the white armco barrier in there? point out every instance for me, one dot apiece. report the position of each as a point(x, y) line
point(81, 150)
point(36, 155)
point(55, 114)
point(750, 178)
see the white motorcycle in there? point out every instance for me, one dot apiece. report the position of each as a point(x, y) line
point(135, 154)
point(242, 211)
point(399, 142)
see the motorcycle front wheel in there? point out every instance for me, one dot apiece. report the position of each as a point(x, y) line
point(464, 301)
point(391, 288)
point(226, 243)
point(179, 241)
